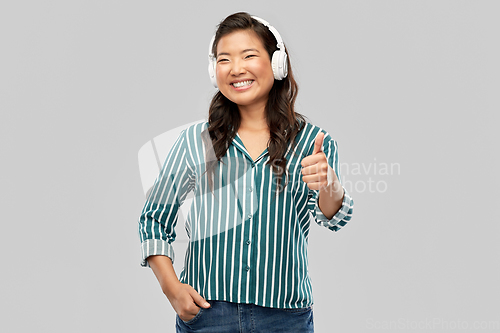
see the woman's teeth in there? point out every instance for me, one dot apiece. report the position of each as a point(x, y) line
point(242, 83)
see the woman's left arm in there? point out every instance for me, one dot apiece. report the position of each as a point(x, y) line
point(330, 204)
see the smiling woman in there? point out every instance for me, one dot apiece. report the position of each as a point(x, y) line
point(259, 172)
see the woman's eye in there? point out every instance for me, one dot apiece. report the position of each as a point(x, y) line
point(221, 60)
point(250, 55)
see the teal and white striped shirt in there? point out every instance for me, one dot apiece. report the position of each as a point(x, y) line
point(246, 244)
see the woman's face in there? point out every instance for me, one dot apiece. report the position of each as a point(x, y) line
point(244, 72)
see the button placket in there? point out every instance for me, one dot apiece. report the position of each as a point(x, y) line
point(252, 206)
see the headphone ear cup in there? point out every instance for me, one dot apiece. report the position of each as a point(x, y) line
point(212, 72)
point(279, 65)
point(284, 68)
point(274, 65)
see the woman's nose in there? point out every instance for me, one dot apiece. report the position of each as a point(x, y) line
point(237, 68)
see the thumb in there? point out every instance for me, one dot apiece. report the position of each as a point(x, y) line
point(318, 142)
point(200, 300)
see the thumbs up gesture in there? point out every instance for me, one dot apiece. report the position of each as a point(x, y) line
point(315, 167)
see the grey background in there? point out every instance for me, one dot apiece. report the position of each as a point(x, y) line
point(84, 84)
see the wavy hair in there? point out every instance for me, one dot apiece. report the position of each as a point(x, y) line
point(224, 117)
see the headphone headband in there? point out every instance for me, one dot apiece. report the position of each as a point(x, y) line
point(210, 54)
point(278, 60)
point(275, 32)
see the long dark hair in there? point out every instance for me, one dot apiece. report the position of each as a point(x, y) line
point(224, 117)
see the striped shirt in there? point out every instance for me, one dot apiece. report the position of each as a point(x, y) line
point(246, 244)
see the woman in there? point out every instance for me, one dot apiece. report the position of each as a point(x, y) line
point(258, 172)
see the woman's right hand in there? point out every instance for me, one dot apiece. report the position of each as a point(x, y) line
point(186, 301)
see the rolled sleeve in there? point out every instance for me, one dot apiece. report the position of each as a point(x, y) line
point(151, 247)
point(160, 212)
point(340, 218)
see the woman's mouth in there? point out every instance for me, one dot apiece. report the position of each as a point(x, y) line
point(242, 85)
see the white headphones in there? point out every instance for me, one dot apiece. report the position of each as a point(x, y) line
point(278, 61)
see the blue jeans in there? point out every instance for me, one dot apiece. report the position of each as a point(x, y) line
point(227, 317)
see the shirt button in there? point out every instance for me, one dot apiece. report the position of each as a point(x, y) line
point(250, 188)
point(248, 268)
point(249, 216)
point(248, 242)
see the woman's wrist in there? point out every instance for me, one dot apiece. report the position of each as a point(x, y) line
point(164, 271)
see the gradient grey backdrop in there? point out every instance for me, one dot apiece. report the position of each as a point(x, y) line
point(84, 84)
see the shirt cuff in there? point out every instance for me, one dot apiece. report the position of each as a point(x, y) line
point(340, 218)
point(152, 247)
